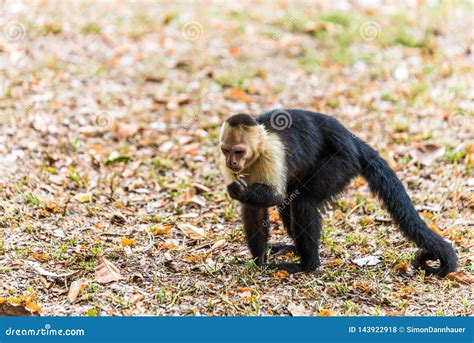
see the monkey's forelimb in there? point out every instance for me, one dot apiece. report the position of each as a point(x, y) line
point(257, 194)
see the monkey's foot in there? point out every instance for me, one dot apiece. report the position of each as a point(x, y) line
point(279, 249)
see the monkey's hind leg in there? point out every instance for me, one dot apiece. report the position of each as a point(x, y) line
point(256, 226)
point(306, 229)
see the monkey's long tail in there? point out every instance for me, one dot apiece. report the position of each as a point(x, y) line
point(385, 184)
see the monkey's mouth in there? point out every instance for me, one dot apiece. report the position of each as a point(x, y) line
point(235, 170)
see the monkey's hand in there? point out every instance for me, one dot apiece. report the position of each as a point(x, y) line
point(237, 189)
point(257, 194)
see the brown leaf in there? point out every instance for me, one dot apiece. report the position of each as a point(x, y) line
point(168, 246)
point(127, 242)
point(75, 289)
point(83, 197)
point(334, 263)
point(202, 188)
point(297, 310)
point(8, 309)
point(106, 272)
point(123, 131)
point(274, 216)
point(161, 230)
point(24, 305)
point(245, 289)
point(402, 266)
point(433, 227)
point(239, 95)
point(217, 245)
point(193, 232)
point(427, 154)
point(234, 51)
point(136, 297)
point(52, 206)
point(40, 257)
point(461, 277)
point(325, 313)
point(280, 274)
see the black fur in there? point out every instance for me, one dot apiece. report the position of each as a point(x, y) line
point(257, 194)
point(322, 158)
point(256, 225)
point(241, 119)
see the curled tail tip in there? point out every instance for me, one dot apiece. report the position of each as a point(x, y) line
point(446, 265)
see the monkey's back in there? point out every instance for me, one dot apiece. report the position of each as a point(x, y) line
point(308, 137)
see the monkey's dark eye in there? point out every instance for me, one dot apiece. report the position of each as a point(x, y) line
point(225, 151)
point(239, 152)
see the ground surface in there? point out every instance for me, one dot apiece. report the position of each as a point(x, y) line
point(109, 119)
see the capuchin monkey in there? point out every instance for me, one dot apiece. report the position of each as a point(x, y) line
point(298, 160)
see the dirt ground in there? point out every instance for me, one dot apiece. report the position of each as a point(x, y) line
point(111, 197)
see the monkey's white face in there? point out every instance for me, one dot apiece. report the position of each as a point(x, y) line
point(238, 147)
point(236, 156)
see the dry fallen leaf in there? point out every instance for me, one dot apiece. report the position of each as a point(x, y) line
point(461, 277)
point(40, 257)
point(217, 245)
point(402, 266)
point(124, 242)
point(281, 274)
point(106, 272)
point(334, 263)
point(24, 305)
point(239, 95)
point(124, 131)
point(367, 261)
point(405, 292)
point(245, 295)
point(192, 231)
point(167, 246)
point(274, 215)
point(433, 227)
point(136, 297)
point(198, 200)
point(364, 287)
point(245, 289)
point(9, 309)
point(161, 230)
point(297, 310)
point(75, 289)
point(83, 197)
point(427, 154)
point(325, 313)
point(52, 206)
